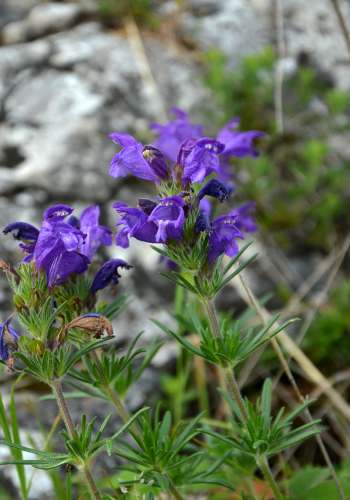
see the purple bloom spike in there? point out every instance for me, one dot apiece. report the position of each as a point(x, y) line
point(245, 220)
point(60, 264)
point(130, 160)
point(28, 235)
point(108, 273)
point(146, 205)
point(95, 234)
point(206, 206)
point(216, 189)
point(57, 213)
point(57, 249)
point(22, 231)
point(8, 340)
point(185, 149)
point(169, 218)
point(135, 224)
point(202, 222)
point(156, 161)
point(223, 235)
point(74, 221)
point(172, 134)
point(202, 160)
point(238, 143)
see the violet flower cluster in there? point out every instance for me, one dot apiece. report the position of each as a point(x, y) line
point(186, 167)
point(66, 245)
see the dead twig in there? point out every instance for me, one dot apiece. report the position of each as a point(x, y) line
point(143, 64)
point(342, 23)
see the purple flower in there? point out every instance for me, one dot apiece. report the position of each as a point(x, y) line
point(201, 160)
point(222, 238)
point(238, 143)
point(156, 161)
point(95, 234)
point(132, 159)
point(202, 222)
point(146, 205)
point(134, 224)
point(108, 273)
point(57, 212)
point(57, 249)
point(172, 134)
point(27, 234)
point(153, 223)
point(215, 189)
point(206, 206)
point(8, 340)
point(245, 221)
point(22, 231)
point(169, 217)
point(60, 264)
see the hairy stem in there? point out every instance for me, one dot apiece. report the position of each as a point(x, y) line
point(228, 374)
point(265, 469)
point(234, 390)
point(62, 404)
point(92, 485)
point(212, 317)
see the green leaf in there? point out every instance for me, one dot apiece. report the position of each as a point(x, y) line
point(182, 340)
point(126, 426)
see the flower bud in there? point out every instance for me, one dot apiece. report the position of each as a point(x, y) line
point(156, 161)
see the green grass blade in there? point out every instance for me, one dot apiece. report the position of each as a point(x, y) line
point(16, 439)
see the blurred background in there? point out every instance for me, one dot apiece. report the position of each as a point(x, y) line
point(71, 72)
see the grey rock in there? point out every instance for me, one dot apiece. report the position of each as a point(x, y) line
point(204, 7)
point(47, 17)
point(18, 57)
point(235, 27)
point(64, 93)
point(14, 10)
point(50, 97)
point(312, 27)
point(15, 32)
point(43, 19)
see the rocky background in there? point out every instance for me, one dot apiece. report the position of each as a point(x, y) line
point(67, 78)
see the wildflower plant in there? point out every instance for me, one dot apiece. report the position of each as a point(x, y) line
point(65, 331)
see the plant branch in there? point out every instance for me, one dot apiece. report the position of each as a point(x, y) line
point(176, 494)
point(265, 469)
point(62, 404)
point(114, 397)
point(227, 373)
point(275, 344)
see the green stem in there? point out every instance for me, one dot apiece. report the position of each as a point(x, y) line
point(227, 373)
point(91, 482)
point(176, 494)
point(114, 397)
point(234, 390)
point(118, 403)
point(212, 317)
point(62, 404)
point(263, 464)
